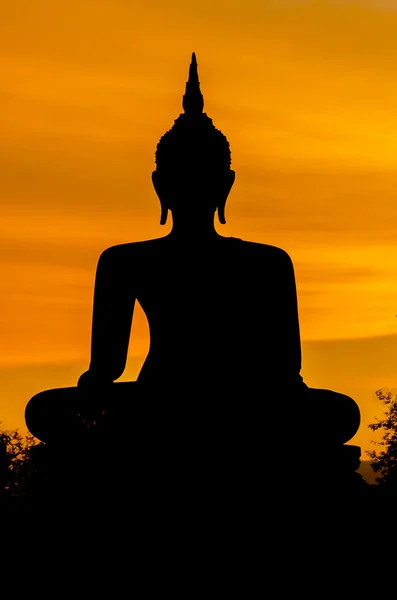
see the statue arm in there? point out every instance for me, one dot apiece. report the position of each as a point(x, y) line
point(111, 323)
point(290, 330)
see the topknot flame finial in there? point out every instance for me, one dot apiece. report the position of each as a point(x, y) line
point(193, 101)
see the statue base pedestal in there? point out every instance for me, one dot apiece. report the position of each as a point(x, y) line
point(95, 470)
point(332, 471)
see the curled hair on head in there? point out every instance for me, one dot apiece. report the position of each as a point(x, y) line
point(193, 143)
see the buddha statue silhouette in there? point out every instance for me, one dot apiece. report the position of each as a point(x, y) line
point(222, 314)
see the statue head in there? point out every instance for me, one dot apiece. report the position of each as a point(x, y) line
point(193, 175)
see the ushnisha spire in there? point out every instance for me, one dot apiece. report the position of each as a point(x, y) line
point(193, 101)
point(193, 143)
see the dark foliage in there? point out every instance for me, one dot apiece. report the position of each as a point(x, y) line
point(384, 462)
point(16, 466)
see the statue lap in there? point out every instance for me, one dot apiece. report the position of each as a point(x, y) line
point(134, 410)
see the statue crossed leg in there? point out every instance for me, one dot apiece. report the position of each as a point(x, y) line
point(319, 415)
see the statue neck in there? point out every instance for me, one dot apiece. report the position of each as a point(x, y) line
point(194, 228)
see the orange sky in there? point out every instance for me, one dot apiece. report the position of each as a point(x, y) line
point(306, 94)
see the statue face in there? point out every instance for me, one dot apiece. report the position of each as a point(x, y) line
point(203, 191)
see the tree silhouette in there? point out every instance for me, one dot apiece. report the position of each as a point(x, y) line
point(15, 461)
point(385, 461)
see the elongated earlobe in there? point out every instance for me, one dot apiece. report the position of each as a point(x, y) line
point(221, 214)
point(164, 215)
point(221, 206)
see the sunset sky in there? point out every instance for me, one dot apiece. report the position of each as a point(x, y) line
point(306, 93)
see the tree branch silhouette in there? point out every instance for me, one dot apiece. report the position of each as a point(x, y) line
point(384, 461)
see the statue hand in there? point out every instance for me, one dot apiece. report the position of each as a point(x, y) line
point(94, 399)
point(91, 381)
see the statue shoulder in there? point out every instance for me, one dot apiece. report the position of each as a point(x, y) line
point(133, 248)
point(268, 252)
point(132, 251)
